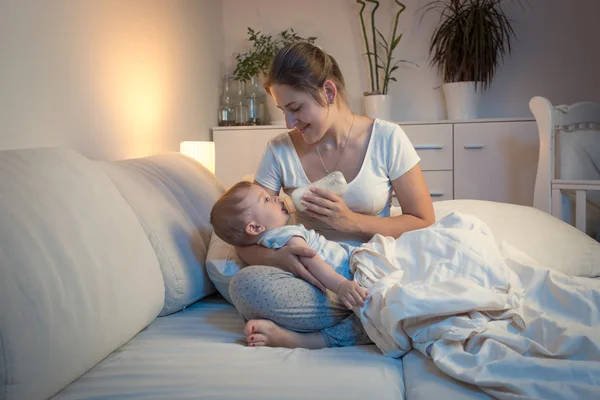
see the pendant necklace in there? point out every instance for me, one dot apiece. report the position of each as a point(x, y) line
point(341, 152)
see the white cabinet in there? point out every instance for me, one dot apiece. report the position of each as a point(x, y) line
point(481, 159)
point(239, 150)
point(495, 161)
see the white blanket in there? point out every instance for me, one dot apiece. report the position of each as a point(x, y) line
point(486, 315)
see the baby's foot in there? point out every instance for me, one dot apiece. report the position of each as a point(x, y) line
point(262, 332)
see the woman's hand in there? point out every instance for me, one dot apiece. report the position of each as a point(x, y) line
point(352, 294)
point(288, 259)
point(330, 208)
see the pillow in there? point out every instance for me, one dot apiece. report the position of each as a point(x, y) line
point(553, 243)
point(78, 277)
point(172, 195)
point(222, 263)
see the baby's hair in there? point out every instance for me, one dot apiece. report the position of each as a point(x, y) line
point(228, 216)
point(305, 66)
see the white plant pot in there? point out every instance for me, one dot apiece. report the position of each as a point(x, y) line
point(379, 106)
point(275, 114)
point(462, 100)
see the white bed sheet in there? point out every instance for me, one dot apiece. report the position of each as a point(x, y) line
point(194, 355)
point(425, 381)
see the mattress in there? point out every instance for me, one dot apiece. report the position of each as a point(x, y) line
point(196, 354)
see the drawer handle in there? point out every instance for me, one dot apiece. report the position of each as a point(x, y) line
point(474, 146)
point(428, 147)
point(436, 194)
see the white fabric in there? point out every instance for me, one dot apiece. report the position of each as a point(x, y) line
point(443, 282)
point(389, 155)
point(551, 242)
point(195, 354)
point(172, 195)
point(425, 381)
point(337, 255)
point(78, 277)
point(557, 355)
point(222, 263)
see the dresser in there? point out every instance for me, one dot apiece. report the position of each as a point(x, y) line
point(485, 159)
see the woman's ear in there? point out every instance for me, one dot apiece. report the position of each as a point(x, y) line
point(254, 229)
point(330, 91)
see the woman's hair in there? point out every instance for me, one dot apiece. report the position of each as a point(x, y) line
point(305, 66)
point(228, 216)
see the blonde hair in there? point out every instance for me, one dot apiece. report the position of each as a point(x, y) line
point(228, 216)
point(305, 66)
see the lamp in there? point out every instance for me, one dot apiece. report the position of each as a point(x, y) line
point(204, 152)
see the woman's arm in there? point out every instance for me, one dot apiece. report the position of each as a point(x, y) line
point(413, 196)
point(288, 258)
point(415, 201)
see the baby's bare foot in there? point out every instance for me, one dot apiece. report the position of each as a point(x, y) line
point(262, 332)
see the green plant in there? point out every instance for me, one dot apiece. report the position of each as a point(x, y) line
point(471, 39)
point(257, 60)
point(381, 86)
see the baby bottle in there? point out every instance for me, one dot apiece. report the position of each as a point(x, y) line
point(334, 182)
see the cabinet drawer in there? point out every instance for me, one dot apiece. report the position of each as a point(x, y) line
point(440, 185)
point(433, 144)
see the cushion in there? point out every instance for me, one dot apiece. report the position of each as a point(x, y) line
point(222, 263)
point(78, 277)
point(172, 196)
point(550, 241)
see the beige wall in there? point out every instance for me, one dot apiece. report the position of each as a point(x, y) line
point(113, 79)
point(117, 79)
point(556, 54)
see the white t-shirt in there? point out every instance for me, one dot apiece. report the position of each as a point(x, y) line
point(390, 154)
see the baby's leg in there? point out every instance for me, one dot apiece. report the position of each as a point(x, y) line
point(264, 294)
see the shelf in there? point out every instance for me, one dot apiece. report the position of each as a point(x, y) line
point(429, 122)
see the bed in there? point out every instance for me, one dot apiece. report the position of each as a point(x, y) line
point(554, 244)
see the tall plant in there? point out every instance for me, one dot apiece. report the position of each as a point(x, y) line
point(471, 39)
point(377, 62)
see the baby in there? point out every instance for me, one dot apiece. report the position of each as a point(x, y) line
point(246, 214)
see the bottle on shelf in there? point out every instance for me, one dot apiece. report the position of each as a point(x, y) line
point(256, 103)
point(226, 114)
point(241, 106)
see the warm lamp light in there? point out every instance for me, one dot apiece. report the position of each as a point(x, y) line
point(204, 152)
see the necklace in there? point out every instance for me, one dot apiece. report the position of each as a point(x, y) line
point(341, 152)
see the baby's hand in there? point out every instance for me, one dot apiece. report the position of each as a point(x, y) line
point(352, 294)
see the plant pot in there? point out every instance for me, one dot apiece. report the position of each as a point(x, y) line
point(378, 106)
point(462, 100)
point(275, 114)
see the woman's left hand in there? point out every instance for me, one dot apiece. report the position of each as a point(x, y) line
point(330, 208)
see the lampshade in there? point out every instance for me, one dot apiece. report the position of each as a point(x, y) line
point(204, 152)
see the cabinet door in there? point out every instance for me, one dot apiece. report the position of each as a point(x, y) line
point(238, 152)
point(495, 161)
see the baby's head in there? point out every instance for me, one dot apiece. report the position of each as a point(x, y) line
point(245, 212)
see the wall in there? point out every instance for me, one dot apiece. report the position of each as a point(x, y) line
point(555, 55)
point(113, 79)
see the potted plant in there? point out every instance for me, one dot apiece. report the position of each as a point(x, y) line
point(254, 64)
point(381, 64)
point(467, 46)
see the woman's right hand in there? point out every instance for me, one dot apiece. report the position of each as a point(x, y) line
point(288, 258)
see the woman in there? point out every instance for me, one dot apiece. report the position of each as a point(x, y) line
point(286, 306)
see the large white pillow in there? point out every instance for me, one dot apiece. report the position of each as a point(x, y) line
point(222, 263)
point(172, 196)
point(78, 277)
point(550, 241)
